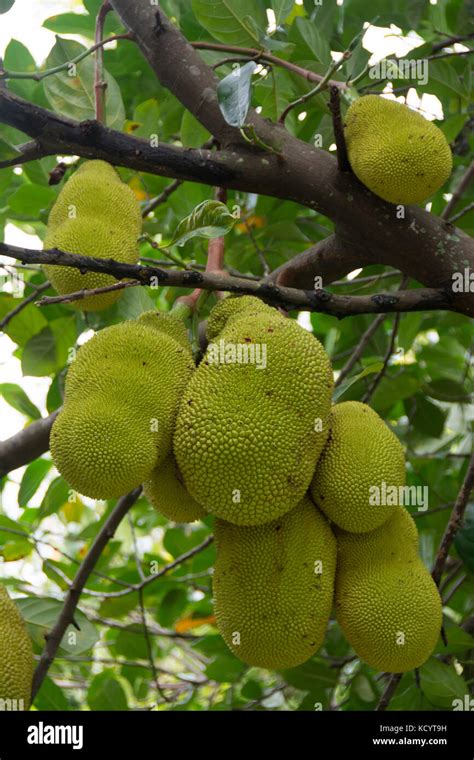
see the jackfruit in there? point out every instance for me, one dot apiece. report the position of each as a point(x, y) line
point(121, 399)
point(394, 151)
point(166, 491)
point(95, 214)
point(360, 465)
point(387, 603)
point(273, 587)
point(234, 307)
point(254, 419)
point(16, 657)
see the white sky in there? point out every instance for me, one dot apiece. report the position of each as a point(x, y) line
point(24, 23)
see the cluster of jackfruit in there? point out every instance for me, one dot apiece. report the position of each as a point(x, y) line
point(394, 151)
point(97, 215)
point(250, 436)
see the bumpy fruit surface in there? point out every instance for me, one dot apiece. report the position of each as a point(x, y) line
point(16, 656)
point(273, 587)
point(387, 604)
point(165, 490)
point(249, 433)
point(394, 151)
point(95, 214)
point(121, 399)
point(357, 478)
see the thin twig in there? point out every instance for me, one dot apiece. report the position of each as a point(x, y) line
point(54, 637)
point(100, 85)
point(335, 108)
point(359, 349)
point(465, 210)
point(37, 76)
point(29, 299)
point(389, 691)
point(161, 198)
point(81, 294)
point(261, 55)
point(454, 522)
point(322, 84)
point(459, 191)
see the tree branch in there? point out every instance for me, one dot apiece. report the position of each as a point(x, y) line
point(26, 445)
point(423, 299)
point(466, 180)
point(54, 637)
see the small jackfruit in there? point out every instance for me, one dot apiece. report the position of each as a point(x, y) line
point(361, 459)
point(165, 490)
point(394, 151)
point(234, 307)
point(273, 587)
point(121, 399)
point(95, 214)
point(254, 419)
point(387, 603)
point(16, 657)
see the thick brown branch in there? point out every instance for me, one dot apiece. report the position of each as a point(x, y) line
point(54, 637)
point(288, 298)
point(26, 445)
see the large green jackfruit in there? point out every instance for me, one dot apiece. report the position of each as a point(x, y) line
point(97, 215)
point(361, 459)
point(16, 657)
point(165, 490)
point(394, 151)
point(234, 307)
point(387, 603)
point(121, 398)
point(250, 427)
point(273, 587)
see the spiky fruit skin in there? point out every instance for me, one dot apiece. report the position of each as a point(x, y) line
point(234, 307)
point(166, 492)
point(95, 214)
point(16, 657)
point(273, 587)
point(394, 151)
point(387, 604)
point(121, 399)
point(247, 439)
point(361, 453)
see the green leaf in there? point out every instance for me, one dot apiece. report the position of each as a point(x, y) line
point(41, 614)
point(106, 692)
point(343, 387)
point(147, 117)
point(281, 9)
point(192, 133)
point(173, 604)
point(24, 325)
point(230, 22)
point(234, 94)
point(17, 398)
point(316, 44)
point(134, 301)
point(18, 58)
point(31, 200)
point(464, 541)
point(57, 494)
point(209, 220)
point(5, 5)
point(441, 684)
point(452, 126)
point(39, 354)
point(428, 418)
point(71, 23)
point(311, 676)
point(131, 643)
point(51, 697)
point(71, 92)
point(394, 389)
point(225, 669)
point(445, 389)
point(7, 151)
point(31, 480)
